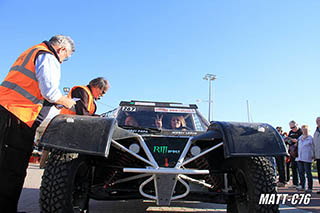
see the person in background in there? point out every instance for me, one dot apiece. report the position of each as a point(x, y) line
point(293, 136)
point(304, 159)
point(287, 158)
point(316, 146)
point(280, 161)
point(32, 82)
point(84, 106)
point(87, 96)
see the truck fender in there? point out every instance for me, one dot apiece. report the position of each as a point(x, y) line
point(247, 139)
point(79, 133)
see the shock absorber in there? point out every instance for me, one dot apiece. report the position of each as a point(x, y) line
point(214, 180)
point(122, 160)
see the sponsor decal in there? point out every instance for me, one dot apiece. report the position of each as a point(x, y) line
point(138, 131)
point(268, 199)
point(178, 105)
point(174, 110)
point(164, 150)
point(184, 133)
point(145, 104)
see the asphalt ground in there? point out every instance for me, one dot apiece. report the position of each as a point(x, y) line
point(30, 196)
point(313, 206)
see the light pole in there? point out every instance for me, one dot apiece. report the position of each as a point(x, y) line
point(248, 111)
point(209, 77)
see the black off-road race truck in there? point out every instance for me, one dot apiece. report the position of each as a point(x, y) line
point(110, 158)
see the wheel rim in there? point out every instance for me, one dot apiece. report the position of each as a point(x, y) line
point(242, 188)
point(81, 188)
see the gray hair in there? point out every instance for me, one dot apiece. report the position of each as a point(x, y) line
point(62, 41)
point(100, 83)
point(293, 122)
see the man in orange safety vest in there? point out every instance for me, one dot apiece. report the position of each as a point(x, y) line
point(26, 95)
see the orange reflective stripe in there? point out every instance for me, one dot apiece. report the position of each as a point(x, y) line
point(27, 59)
point(91, 106)
point(24, 71)
point(90, 101)
point(24, 82)
point(22, 92)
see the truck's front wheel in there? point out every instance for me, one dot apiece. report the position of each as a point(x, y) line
point(65, 184)
point(252, 177)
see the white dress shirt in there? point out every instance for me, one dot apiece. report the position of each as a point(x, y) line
point(47, 69)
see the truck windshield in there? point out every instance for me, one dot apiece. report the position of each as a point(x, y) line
point(161, 118)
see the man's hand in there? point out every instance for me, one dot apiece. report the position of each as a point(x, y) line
point(69, 103)
point(66, 102)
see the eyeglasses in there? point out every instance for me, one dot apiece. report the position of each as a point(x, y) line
point(66, 58)
point(103, 91)
point(66, 54)
point(292, 127)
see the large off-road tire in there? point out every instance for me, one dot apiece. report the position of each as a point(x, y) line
point(251, 177)
point(65, 184)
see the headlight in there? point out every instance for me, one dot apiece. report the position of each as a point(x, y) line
point(195, 150)
point(134, 147)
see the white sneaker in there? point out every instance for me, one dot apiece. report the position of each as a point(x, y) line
point(293, 186)
point(300, 188)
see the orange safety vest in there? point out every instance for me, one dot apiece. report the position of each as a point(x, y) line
point(91, 105)
point(19, 92)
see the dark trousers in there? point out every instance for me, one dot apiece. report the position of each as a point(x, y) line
point(318, 169)
point(288, 172)
point(16, 143)
point(281, 168)
point(294, 168)
point(305, 168)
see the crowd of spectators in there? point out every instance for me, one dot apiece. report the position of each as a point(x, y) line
point(303, 149)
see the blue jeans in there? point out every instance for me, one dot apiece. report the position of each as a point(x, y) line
point(305, 167)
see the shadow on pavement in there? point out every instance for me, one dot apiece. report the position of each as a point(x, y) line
point(313, 206)
point(29, 200)
point(150, 206)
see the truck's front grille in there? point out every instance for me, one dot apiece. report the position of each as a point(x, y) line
point(166, 150)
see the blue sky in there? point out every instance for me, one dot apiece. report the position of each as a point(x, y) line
point(266, 52)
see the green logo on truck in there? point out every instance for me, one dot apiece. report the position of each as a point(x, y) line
point(164, 150)
point(160, 149)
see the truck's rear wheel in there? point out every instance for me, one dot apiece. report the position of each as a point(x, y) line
point(65, 184)
point(252, 177)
